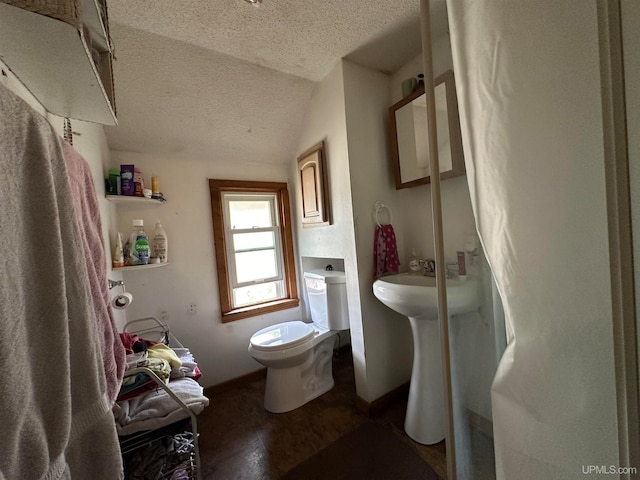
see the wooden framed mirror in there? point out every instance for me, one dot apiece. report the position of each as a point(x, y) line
point(409, 139)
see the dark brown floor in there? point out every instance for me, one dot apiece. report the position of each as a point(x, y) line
point(239, 439)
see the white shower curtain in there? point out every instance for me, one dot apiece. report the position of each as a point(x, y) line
point(528, 84)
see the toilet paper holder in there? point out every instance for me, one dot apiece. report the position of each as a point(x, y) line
point(116, 283)
point(122, 300)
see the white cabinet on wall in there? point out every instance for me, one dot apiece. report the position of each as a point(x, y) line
point(66, 65)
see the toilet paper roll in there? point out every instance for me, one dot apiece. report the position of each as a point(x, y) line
point(122, 301)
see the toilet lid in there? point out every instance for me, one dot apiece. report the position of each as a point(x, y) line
point(282, 335)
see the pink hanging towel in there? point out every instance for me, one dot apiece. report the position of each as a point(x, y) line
point(385, 251)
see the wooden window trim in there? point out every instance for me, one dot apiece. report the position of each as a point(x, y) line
point(217, 188)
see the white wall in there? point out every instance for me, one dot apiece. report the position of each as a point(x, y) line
point(325, 120)
point(348, 111)
point(387, 341)
point(190, 278)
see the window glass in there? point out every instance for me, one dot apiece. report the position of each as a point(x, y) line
point(258, 293)
point(250, 213)
point(253, 241)
point(254, 266)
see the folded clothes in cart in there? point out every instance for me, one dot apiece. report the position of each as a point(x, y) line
point(155, 409)
point(189, 366)
point(133, 385)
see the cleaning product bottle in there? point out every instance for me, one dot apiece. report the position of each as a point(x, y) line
point(138, 244)
point(414, 262)
point(159, 243)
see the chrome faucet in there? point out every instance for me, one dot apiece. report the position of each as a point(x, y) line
point(429, 268)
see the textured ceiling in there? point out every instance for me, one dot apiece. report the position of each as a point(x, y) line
point(223, 79)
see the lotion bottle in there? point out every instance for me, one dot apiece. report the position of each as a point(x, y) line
point(159, 243)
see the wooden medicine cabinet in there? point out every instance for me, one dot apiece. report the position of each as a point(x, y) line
point(409, 139)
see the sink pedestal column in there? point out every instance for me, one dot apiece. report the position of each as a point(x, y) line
point(425, 418)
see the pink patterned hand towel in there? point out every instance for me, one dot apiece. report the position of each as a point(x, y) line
point(385, 251)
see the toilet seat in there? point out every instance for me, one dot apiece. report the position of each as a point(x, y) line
point(282, 336)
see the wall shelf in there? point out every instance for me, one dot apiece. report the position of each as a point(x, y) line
point(140, 267)
point(54, 61)
point(121, 200)
point(130, 200)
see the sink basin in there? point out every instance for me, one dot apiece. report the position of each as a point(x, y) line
point(416, 297)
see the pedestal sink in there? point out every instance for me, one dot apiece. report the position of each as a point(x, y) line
point(415, 296)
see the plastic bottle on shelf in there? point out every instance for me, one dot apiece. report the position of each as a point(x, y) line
point(155, 188)
point(118, 253)
point(138, 244)
point(114, 182)
point(159, 243)
point(138, 182)
point(155, 184)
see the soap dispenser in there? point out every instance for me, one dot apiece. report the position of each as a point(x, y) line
point(414, 262)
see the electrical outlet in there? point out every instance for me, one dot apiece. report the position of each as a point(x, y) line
point(192, 308)
point(164, 315)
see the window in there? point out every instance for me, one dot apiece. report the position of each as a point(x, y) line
point(254, 247)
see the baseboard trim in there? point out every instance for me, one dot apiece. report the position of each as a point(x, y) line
point(234, 382)
point(481, 423)
point(371, 409)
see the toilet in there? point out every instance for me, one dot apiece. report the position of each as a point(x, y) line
point(298, 354)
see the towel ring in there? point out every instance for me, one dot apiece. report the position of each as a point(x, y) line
point(378, 206)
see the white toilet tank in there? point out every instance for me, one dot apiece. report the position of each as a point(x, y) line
point(327, 291)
